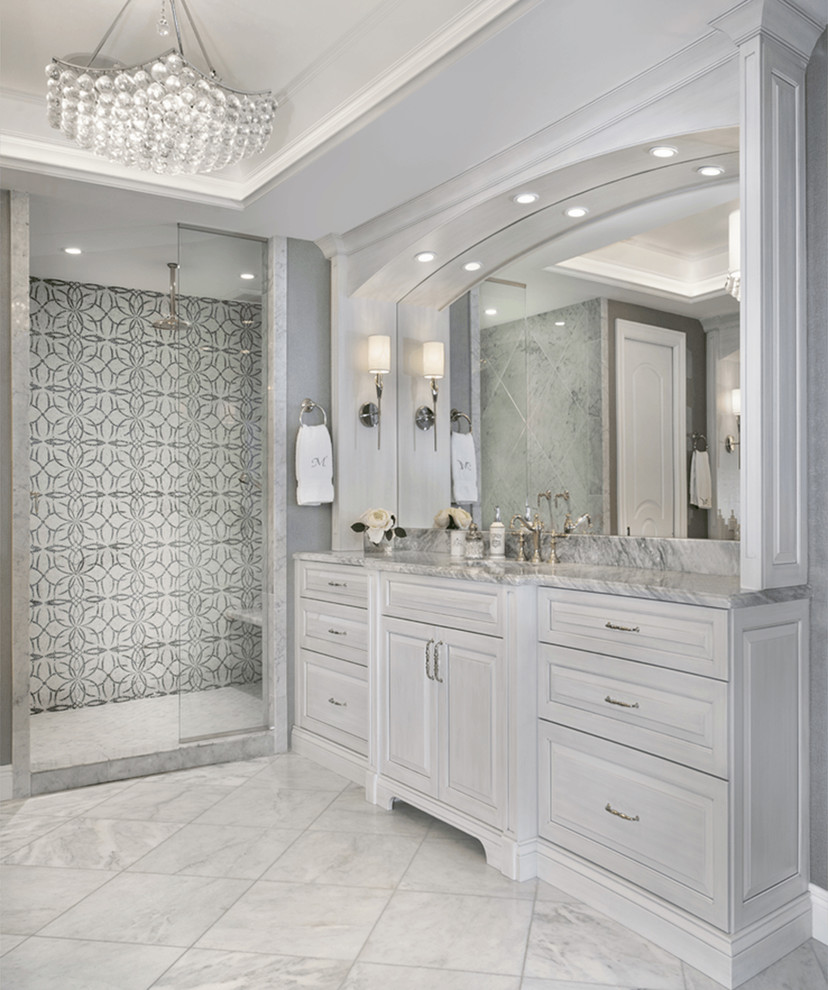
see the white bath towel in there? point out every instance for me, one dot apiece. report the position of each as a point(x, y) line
point(463, 468)
point(314, 465)
point(701, 490)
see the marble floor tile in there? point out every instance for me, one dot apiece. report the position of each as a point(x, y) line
point(163, 801)
point(570, 941)
point(8, 942)
point(821, 952)
point(199, 969)
point(149, 908)
point(799, 970)
point(345, 859)
point(350, 812)
point(93, 844)
point(457, 864)
point(319, 921)
point(532, 984)
point(548, 892)
point(20, 830)
point(64, 804)
point(259, 804)
point(35, 895)
point(373, 976)
point(299, 773)
point(233, 773)
point(71, 964)
point(218, 851)
point(452, 931)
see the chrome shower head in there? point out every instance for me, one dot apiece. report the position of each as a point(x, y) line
point(172, 321)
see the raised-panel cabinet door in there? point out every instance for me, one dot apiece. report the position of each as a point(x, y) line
point(472, 733)
point(409, 707)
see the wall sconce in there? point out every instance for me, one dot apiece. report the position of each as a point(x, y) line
point(731, 443)
point(379, 364)
point(434, 367)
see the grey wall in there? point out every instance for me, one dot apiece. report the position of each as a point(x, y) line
point(309, 376)
point(816, 96)
point(5, 485)
point(696, 389)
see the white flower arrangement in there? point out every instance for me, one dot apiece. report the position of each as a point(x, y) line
point(378, 523)
point(452, 518)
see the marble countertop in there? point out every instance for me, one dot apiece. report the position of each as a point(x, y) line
point(713, 590)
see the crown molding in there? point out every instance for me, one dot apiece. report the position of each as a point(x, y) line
point(626, 276)
point(784, 21)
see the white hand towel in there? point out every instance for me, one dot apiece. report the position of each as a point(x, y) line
point(701, 490)
point(463, 468)
point(314, 465)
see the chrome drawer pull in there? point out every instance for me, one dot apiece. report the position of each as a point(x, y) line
point(428, 659)
point(343, 704)
point(623, 704)
point(337, 632)
point(337, 584)
point(612, 625)
point(437, 662)
point(620, 814)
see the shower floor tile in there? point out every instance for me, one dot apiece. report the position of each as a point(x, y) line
point(81, 736)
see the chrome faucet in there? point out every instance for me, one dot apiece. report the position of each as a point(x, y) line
point(535, 527)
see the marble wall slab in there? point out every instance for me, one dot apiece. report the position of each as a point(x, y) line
point(145, 454)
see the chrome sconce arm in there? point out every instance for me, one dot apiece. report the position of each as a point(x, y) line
point(379, 364)
point(434, 367)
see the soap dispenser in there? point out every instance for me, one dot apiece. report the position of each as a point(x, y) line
point(497, 536)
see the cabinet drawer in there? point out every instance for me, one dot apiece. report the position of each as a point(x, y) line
point(683, 637)
point(338, 630)
point(679, 716)
point(657, 824)
point(334, 583)
point(334, 699)
point(456, 604)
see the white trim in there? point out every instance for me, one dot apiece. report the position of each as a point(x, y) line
point(6, 782)
point(666, 286)
point(819, 913)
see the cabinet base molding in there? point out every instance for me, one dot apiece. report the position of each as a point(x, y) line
point(730, 959)
point(330, 755)
point(502, 851)
point(819, 906)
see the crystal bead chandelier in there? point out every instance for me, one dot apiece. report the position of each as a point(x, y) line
point(163, 115)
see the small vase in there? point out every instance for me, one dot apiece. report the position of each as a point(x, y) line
point(457, 542)
point(377, 549)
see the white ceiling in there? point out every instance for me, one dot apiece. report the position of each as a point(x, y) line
point(381, 102)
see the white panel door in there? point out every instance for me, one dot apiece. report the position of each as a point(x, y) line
point(409, 707)
point(472, 764)
point(652, 473)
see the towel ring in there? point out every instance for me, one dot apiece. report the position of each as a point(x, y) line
point(699, 438)
point(456, 416)
point(308, 405)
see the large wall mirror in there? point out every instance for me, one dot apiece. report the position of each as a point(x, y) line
point(601, 375)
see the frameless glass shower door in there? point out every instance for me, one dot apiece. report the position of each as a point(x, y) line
point(220, 480)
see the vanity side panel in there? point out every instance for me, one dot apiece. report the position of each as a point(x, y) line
point(770, 726)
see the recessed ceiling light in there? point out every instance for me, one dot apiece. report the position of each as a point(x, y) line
point(663, 151)
point(560, 323)
point(576, 211)
point(710, 170)
point(490, 312)
point(472, 266)
point(425, 256)
point(72, 250)
point(525, 198)
point(247, 275)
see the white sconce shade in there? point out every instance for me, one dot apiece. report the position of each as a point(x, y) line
point(434, 359)
point(379, 354)
point(736, 401)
